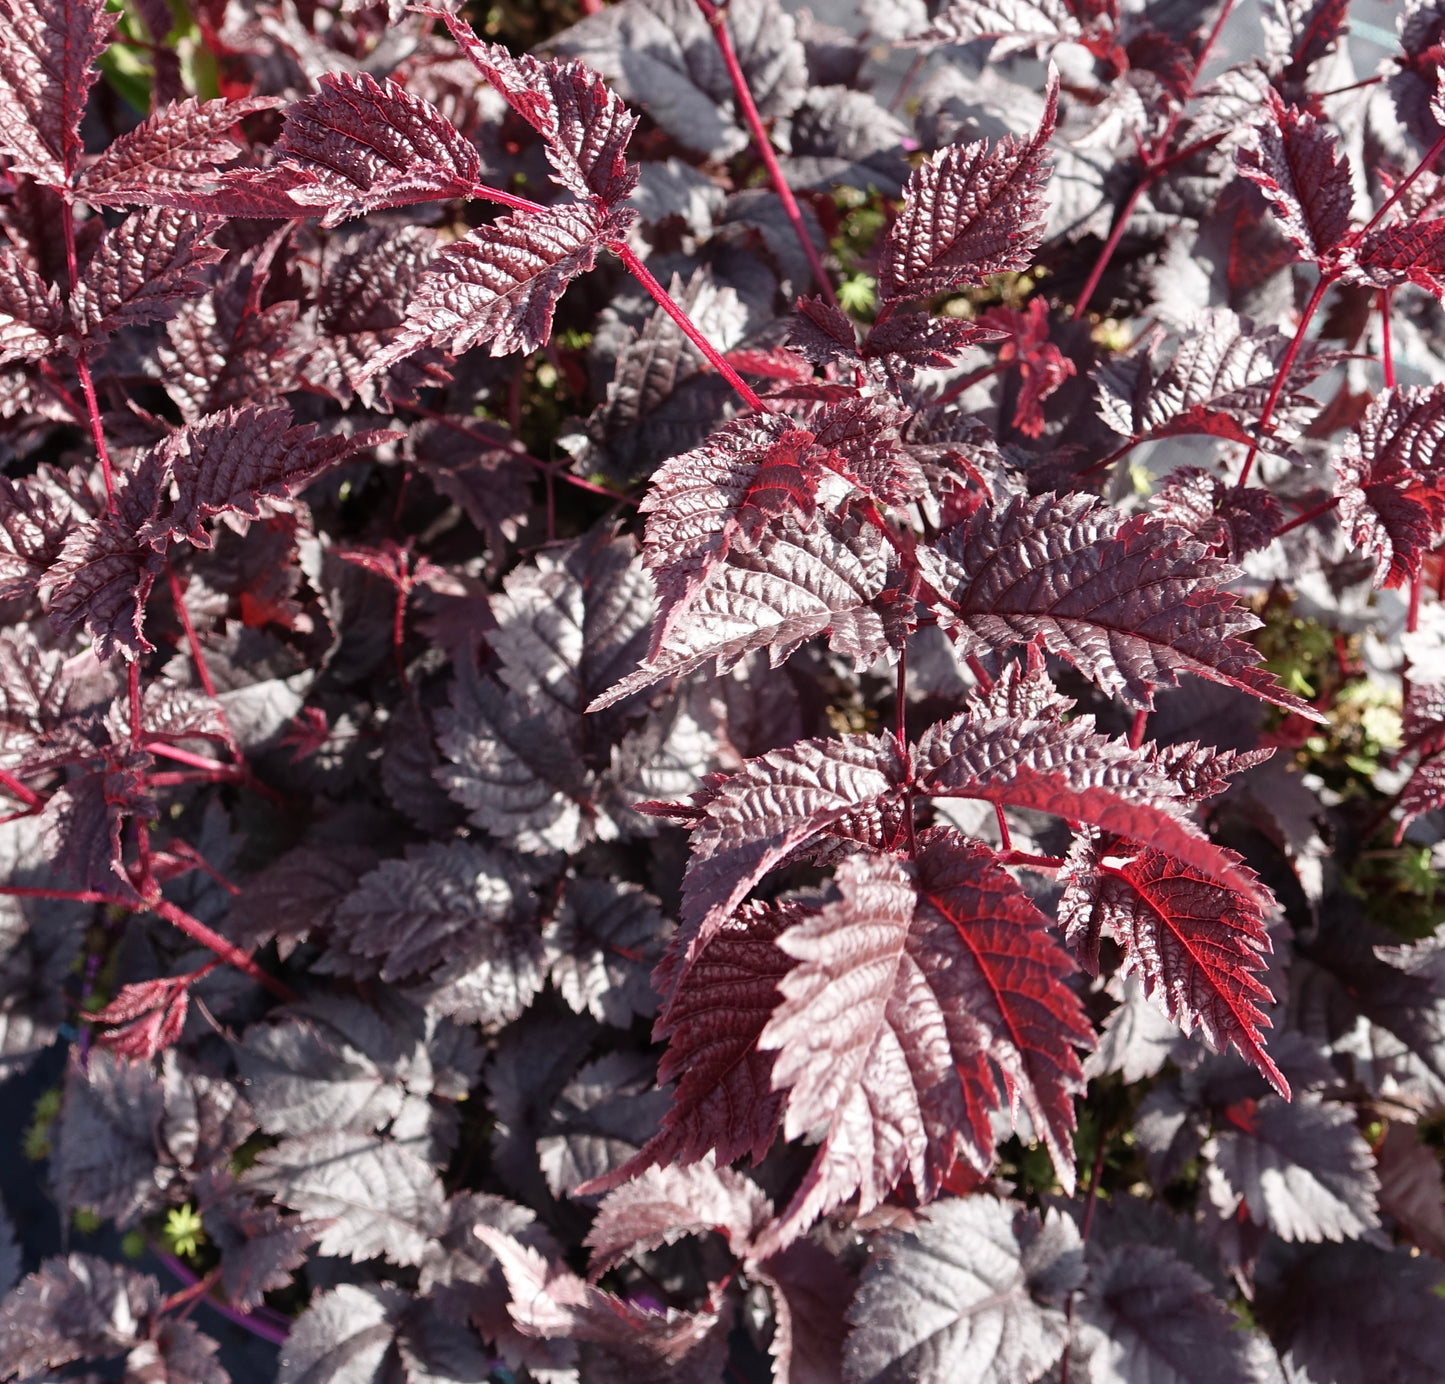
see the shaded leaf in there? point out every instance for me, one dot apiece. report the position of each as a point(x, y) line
point(975, 1292)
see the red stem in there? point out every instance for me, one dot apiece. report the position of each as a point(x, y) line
point(1005, 841)
point(398, 634)
point(30, 891)
point(1116, 234)
point(967, 382)
point(12, 785)
point(1405, 184)
point(196, 761)
point(660, 295)
point(1314, 512)
point(717, 19)
point(1386, 349)
point(197, 931)
point(1282, 374)
point(1154, 165)
point(1136, 731)
point(507, 199)
point(82, 366)
point(179, 601)
point(1034, 862)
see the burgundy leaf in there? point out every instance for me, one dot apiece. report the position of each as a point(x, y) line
point(381, 1196)
point(811, 1291)
point(1196, 947)
point(1300, 1167)
point(1042, 366)
point(1408, 252)
point(908, 342)
point(149, 1017)
point(233, 461)
point(104, 572)
point(724, 1098)
point(1131, 604)
point(1391, 485)
point(1162, 1321)
point(765, 811)
point(612, 1339)
point(48, 50)
point(970, 212)
point(1424, 792)
point(602, 945)
point(1020, 24)
point(139, 271)
point(499, 286)
point(793, 584)
point(1013, 747)
point(1298, 164)
point(1229, 521)
point(446, 906)
point(976, 1291)
point(586, 127)
point(367, 144)
point(75, 1308)
point(1221, 373)
point(661, 1205)
point(37, 514)
point(904, 994)
point(1007, 1002)
point(821, 333)
point(32, 315)
point(367, 280)
point(180, 146)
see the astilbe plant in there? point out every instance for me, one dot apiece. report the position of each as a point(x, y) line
point(656, 725)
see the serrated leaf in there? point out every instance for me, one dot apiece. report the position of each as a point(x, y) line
point(1353, 1313)
point(1215, 384)
point(1196, 947)
point(1014, 748)
point(1130, 603)
point(769, 808)
point(373, 1332)
point(662, 56)
point(139, 271)
point(599, 1121)
point(447, 906)
point(1409, 252)
point(1390, 483)
point(905, 991)
point(794, 583)
point(37, 514)
point(48, 50)
point(366, 144)
point(379, 1195)
point(614, 1339)
point(602, 944)
point(585, 126)
point(499, 285)
point(32, 315)
point(76, 1308)
point(1299, 1167)
point(177, 146)
point(1019, 24)
point(359, 307)
point(970, 212)
point(1297, 162)
point(234, 460)
point(662, 1205)
point(976, 1292)
point(260, 1248)
point(1163, 1323)
point(724, 1097)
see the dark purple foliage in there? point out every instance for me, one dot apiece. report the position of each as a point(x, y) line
point(826, 704)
